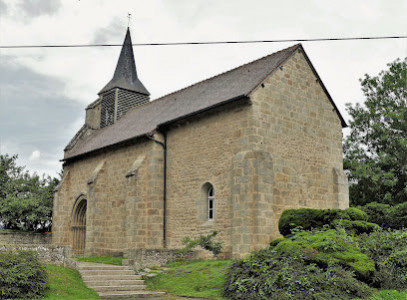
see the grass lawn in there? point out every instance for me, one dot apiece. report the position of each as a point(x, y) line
point(7, 230)
point(65, 283)
point(389, 295)
point(112, 260)
point(201, 278)
point(205, 279)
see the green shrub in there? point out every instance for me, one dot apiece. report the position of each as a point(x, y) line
point(386, 216)
point(309, 219)
point(204, 241)
point(377, 213)
point(21, 275)
point(355, 227)
point(397, 216)
point(325, 248)
point(389, 251)
point(268, 275)
point(356, 214)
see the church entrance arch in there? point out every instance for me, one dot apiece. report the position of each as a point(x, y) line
point(78, 226)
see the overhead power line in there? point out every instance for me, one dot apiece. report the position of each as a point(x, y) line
point(207, 43)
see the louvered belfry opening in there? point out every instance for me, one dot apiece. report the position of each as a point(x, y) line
point(126, 100)
point(107, 111)
point(79, 228)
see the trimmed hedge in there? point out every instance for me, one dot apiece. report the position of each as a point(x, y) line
point(325, 248)
point(21, 275)
point(309, 219)
point(266, 274)
point(355, 227)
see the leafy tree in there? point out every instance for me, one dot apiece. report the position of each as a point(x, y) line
point(376, 149)
point(25, 200)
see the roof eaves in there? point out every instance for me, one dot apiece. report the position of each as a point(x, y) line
point(104, 147)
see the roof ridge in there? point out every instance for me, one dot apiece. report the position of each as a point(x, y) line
point(217, 75)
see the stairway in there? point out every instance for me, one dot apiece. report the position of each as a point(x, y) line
point(115, 282)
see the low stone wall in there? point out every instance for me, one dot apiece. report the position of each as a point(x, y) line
point(149, 258)
point(24, 238)
point(39, 242)
point(46, 253)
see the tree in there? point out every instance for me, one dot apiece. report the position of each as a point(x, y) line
point(25, 200)
point(375, 152)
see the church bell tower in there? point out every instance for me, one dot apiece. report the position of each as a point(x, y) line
point(124, 91)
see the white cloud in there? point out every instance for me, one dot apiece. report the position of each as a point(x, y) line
point(35, 155)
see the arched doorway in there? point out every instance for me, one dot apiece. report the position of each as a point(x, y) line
point(79, 227)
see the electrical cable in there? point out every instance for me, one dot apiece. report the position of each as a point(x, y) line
point(206, 43)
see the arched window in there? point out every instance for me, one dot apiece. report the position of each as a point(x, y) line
point(211, 203)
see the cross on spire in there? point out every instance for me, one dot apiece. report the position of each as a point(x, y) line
point(129, 17)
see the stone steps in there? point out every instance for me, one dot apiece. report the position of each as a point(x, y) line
point(115, 282)
point(106, 272)
point(111, 277)
point(131, 295)
point(109, 288)
point(92, 283)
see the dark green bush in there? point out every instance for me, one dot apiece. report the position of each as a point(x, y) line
point(325, 248)
point(356, 214)
point(386, 216)
point(268, 275)
point(389, 251)
point(397, 216)
point(377, 213)
point(355, 227)
point(309, 219)
point(21, 275)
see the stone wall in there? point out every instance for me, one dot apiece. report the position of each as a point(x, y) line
point(252, 193)
point(200, 152)
point(39, 242)
point(57, 255)
point(149, 258)
point(24, 238)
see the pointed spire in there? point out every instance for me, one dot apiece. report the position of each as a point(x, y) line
point(125, 76)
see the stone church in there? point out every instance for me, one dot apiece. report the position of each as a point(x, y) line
point(229, 153)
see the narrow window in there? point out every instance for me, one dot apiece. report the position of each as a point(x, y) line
point(211, 203)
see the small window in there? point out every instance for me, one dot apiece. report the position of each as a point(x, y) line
point(211, 203)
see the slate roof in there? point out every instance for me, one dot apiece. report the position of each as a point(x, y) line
point(125, 76)
point(215, 91)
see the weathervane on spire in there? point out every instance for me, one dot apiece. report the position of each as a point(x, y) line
point(128, 16)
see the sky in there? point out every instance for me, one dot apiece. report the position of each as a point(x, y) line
point(44, 92)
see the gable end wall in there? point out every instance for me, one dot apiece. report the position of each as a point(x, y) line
point(297, 124)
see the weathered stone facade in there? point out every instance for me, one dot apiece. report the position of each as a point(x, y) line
point(277, 147)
